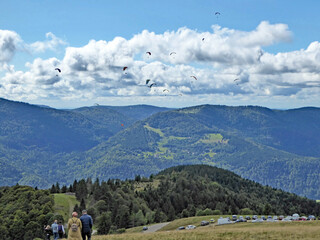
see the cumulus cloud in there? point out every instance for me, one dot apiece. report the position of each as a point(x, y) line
point(9, 41)
point(51, 43)
point(216, 58)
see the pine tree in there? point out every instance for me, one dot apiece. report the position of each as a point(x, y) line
point(82, 205)
point(53, 189)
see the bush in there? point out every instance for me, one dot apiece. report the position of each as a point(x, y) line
point(216, 212)
point(246, 211)
point(120, 230)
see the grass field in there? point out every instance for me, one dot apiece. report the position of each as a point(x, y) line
point(64, 204)
point(239, 231)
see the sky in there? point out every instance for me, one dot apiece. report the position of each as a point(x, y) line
point(177, 53)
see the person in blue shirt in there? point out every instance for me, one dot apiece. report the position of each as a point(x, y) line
point(87, 224)
point(54, 228)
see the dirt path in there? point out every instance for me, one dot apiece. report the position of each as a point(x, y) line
point(155, 227)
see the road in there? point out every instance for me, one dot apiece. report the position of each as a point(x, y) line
point(155, 227)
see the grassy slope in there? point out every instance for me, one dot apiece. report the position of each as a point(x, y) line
point(247, 231)
point(64, 204)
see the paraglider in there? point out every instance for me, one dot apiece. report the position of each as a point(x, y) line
point(194, 77)
point(165, 90)
point(152, 85)
point(122, 125)
point(237, 79)
point(202, 39)
point(216, 13)
point(172, 53)
point(149, 53)
point(59, 70)
point(147, 81)
point(124, 69)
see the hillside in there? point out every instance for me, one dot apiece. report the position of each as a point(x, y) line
point(36, 142)
point(279, 148)
point(251, 141)
point(183, 191)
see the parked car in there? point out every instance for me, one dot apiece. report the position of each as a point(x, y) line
point(181, 228)
point(222, 221)
point(145, 228)
point(281, 217)
point(275, 218)
point(263, 218)
point(211, 220)
point(248, 217)
point(295, 217)
point(234, 217)
point(269, 219)
point(254, 217)
point(204, 223)
point(303, 218)
point(241, 219)
point(258, 220)
point(287, 219)
point(190, 227)
point(311, 217)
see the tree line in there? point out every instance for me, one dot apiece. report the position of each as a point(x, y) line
point(178, 192)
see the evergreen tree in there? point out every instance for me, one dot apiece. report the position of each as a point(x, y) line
point(82, 205)
point(53, 189)
point(64, 189)
point(57, 188)
point(104, 223)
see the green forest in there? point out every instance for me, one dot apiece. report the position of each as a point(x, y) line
point(24, 211)
point(174, 193)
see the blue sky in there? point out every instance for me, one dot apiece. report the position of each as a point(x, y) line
point(43, 35)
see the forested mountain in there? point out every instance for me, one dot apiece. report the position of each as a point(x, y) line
point(36, 142)
point(276, 147)
point(254, 142)
point(182, 191)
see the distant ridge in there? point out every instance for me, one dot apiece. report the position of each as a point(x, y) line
point(275, 147)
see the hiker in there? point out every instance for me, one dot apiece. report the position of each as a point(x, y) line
point(87, 223)
point(61, 230)
point(54, 228)
point(48, 232)
point(74, 227)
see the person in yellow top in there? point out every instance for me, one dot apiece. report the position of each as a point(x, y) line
point(74, 227)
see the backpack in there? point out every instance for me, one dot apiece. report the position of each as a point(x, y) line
point(74, 226)
point(60, 229)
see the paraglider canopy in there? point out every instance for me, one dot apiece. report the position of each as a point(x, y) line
point(149, 53)
point(152, 85)
point(172, 53)
point(194, 77)
point(124, 68)
point(147, 81)
point(58, 69)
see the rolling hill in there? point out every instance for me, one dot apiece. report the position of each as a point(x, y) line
point(254, 142)
point(39, 146)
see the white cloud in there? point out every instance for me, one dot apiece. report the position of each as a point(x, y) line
point(95, 71)
point(51, 43)
point(9, 41)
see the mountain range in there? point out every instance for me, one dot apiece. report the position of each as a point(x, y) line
point(40, 146)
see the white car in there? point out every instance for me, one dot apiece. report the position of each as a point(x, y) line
point(222, 221)
point(258, 220)
point(191, 227)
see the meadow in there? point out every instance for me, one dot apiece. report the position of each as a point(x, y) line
point(247, 231)
point(64, 205)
